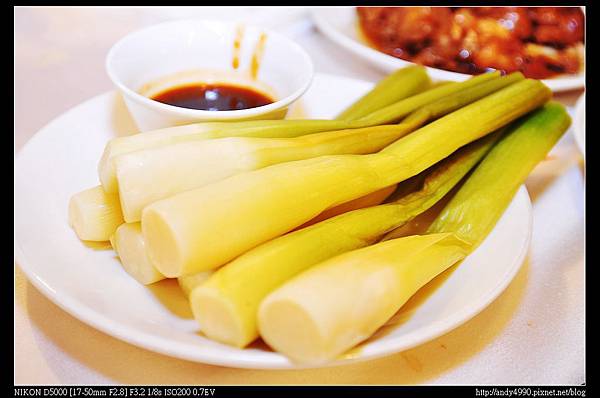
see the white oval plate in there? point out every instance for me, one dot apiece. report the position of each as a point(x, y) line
point(341, 26)
point(90, 283)
point(579, 123)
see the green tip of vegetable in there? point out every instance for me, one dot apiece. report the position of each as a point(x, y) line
point(480, 202)
point(398, 85)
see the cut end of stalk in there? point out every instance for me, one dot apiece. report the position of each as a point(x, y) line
point(162, 244)
point(342, 301)
point(303, 343)
point(217, 317)
point(131, 249)
point(94, 215)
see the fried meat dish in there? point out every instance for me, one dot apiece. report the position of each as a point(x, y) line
point(541, 42)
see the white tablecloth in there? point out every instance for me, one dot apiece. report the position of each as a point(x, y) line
point(534, 333)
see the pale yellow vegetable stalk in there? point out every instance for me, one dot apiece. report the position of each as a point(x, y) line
point(393, 88)
point(478, 205)
point(130, 246)
point(206, 227)
point(226, 305)
point(149, 175)
point(190, 282)
point(267, 128)
point(397, 111)
point(202, 131)
point(371, 199)
point(339, 303)
point(94, 214)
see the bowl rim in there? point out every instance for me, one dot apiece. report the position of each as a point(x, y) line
point(204, 114)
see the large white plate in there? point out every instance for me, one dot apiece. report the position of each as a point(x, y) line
point(341, 26)
point(579, 123)
point(89, 283)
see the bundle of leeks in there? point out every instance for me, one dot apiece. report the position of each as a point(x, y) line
point(342, 301)
point(138, 170)
point(204, 228)
point(149, 164)
point(96, 213)
point(227, 304)
point(278, 208)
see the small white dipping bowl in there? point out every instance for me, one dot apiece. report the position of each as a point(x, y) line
point(202, 51)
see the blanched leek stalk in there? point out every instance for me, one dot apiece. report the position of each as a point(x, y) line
point(394, 87)
point(129, 244)
point(190, 282)
point(202, 131)
point(206, 227)
point(474, 210)
point(396, 111)
point(149, 175)
point(146, 176)
point(267, 128)
point(371, 199)
point(336, 304)
point(227, 304)
point(339, 303)
point(94, 214)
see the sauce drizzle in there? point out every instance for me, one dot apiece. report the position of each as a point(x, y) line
point(237, 45)
point(257, 55)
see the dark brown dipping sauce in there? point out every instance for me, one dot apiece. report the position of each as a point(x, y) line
point(209, 97)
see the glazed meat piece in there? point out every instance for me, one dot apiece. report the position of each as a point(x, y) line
point(539, 41)
point(557, 26)
point(408, 29)
point(515, 20)
point(491, 38)
point(422, 34)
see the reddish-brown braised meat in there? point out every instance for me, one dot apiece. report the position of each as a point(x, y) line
point(539, 41)
point(557, 26)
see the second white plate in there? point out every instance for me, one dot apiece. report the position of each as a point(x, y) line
point(579, 123)
point(89, 282)
point(341, 26)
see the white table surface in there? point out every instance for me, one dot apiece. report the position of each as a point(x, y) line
point(533, 333)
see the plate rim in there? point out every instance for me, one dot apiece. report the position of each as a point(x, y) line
point(579, 123)
point(390, 63)
point(156, 344)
